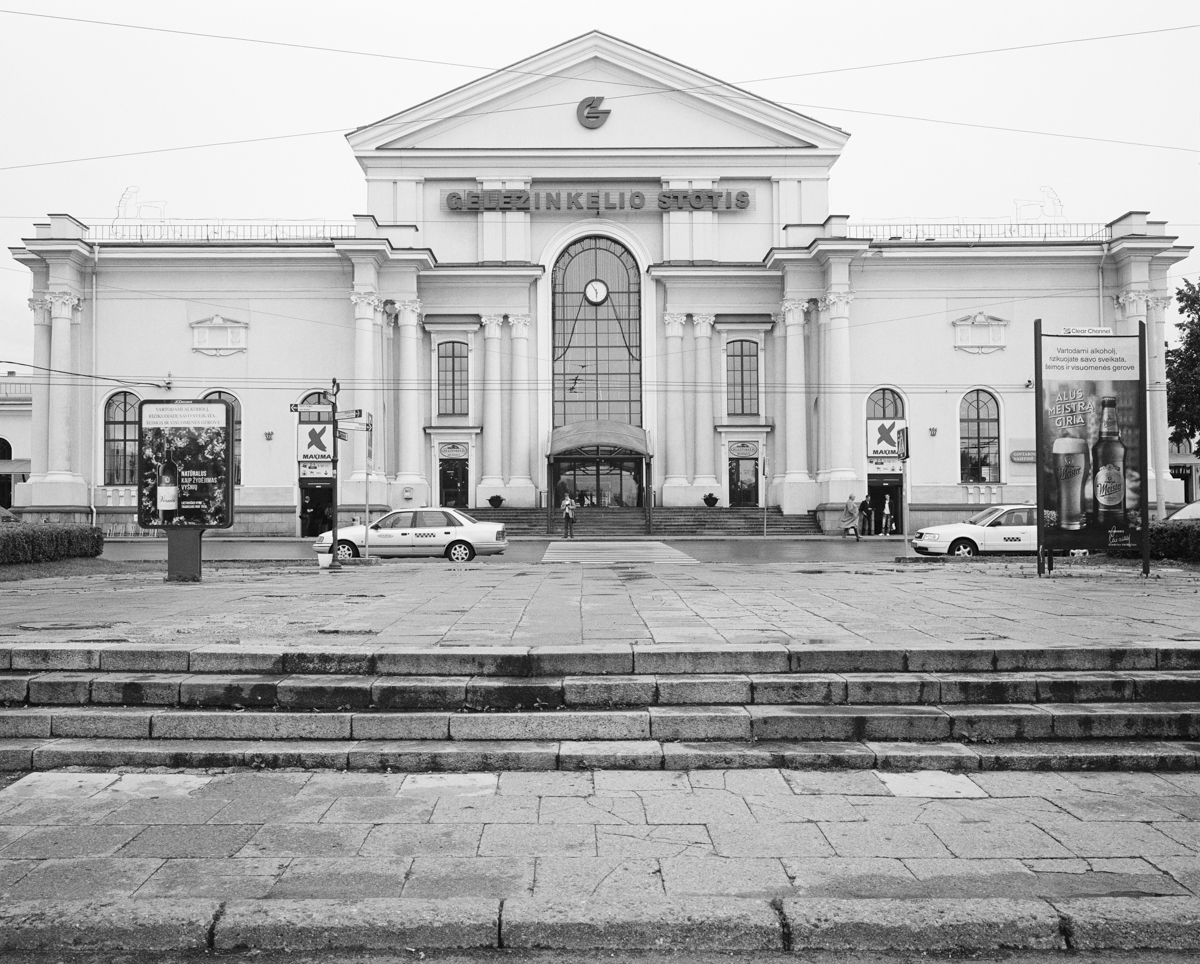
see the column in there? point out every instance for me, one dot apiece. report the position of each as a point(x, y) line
point(705, 387)
point(1156, 385)
point(39, 429)
point(795, 424)
point(521, 389)
point(838, 389)
point(408, 462)
point(367, 305)
point(493, 405)
point(676, 470)
point(62, 356)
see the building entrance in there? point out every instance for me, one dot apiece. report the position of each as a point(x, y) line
point(881, 488)
point(316, 508)
point(454, 482)
point(743, 482)
point(603, 482)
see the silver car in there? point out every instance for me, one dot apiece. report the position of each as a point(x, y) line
point(419, 532)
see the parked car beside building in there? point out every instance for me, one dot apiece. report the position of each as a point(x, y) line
point(998, 528)
point(419, 532)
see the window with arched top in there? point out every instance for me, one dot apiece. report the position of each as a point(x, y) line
point(237, 432)
point(885, 403)
point(120, 439)
point(741, 377)
point(452, 378)
point(316, 398)
point(1181, 448)
point(979, 437)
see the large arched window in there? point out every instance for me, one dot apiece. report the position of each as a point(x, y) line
point(885, 403)
point(741, 377)
point(237, 432)
point(597, 334)
point(979, 437)
point(120, 439)
point(452, 378)
point(316, 398)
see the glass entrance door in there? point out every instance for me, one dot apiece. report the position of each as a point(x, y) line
point(607, 483)
point(453, 482)
point(743, 482)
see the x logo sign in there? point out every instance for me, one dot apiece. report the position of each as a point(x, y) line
point(315, 437)
point(886, 434)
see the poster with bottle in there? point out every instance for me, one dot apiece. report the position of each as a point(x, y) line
point(185, 463)
point(1091, 440)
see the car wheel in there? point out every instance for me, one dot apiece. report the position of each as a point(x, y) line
point(346, 550)
point(963, 547)
point(460, 552)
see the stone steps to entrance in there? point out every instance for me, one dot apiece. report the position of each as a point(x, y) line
point(816, 703)
point(667, 521)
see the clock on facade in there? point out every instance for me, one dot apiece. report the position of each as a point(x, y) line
point(596, 292)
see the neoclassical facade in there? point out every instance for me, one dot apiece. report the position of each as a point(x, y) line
point(600, 272)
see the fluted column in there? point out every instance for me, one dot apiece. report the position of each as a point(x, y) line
point(705, 440)
point(676, 471)
point(837, 395)
point(795, 424)
point(521, 387)
point(409, 467)
point(1156, 384)
point(367, 306)
point(62, 356)
point(493, 405)
point(39, 427)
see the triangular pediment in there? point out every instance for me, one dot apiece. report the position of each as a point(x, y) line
point(654, 103)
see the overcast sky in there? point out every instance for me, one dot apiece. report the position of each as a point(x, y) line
point(77, 90)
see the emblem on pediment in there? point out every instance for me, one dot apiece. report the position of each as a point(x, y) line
point(979, 334)
point(219, 336)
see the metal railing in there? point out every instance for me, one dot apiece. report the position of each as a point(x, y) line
point(15, 389)
point(1025, 231)
point(193, 231)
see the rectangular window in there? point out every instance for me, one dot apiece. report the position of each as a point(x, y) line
point(741, 377)
point(452, 378)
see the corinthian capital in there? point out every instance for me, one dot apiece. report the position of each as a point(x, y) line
point(368, 298)
point(704, 324)
point(492, 325)
point(408, 312)
point(837, 302)
point(41, 310)
point(62, 303)
point(1160, 302)
point(1132, 302)
point(520, 325)
point(673, 322)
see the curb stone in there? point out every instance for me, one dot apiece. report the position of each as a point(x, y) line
point(1132, 923)
point(923, 925)
point(374, 924)
point(694, 924)
point(154, 924)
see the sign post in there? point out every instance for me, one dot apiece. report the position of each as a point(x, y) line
point(333, 546)
point(1091, 443)
point(185, 474)
point(902, 455)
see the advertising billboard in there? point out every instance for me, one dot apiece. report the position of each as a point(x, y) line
point(185, 464)
point(1091, 441)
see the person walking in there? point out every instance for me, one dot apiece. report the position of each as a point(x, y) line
point(568, 511)
point(887, 516)
point(850, 518)
point(864, 515)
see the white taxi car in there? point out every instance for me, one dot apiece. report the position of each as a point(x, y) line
point(419, 532)
point(998, 528)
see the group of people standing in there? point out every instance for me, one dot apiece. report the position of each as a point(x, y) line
point(859, 518)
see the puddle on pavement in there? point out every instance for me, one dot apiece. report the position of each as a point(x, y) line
point(67, 624)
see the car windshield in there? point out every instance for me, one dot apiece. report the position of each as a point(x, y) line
point(984, 517)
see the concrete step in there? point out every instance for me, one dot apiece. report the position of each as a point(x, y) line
point(1050, 721)
point(334, 691)
point(393, 657)
point(417, 756)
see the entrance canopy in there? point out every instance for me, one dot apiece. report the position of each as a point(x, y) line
point(615, 435)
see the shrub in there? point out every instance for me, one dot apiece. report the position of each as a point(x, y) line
point(48, 541)
point(1175, 540)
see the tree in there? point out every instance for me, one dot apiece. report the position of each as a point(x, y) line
point(1183, 368)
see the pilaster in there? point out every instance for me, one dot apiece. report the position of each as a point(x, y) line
point(675, 475)
point(839, 476)
point(1163, 487)
point(492, 482)
point(706, 477)
point(521, 490)
point(409, 474)
point(798, 493)
point(62, 485)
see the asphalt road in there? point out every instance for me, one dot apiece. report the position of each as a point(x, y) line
point(530, 552)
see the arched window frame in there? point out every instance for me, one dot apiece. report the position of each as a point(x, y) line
point(237, 429)
point(979, 438)
point(743, 376)
point(453, 357)
point(885, 403)
point(316, 397)
point(120, 438)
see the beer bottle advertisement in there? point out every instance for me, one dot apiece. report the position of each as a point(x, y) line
point(185, 464)
point(1091, 435)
